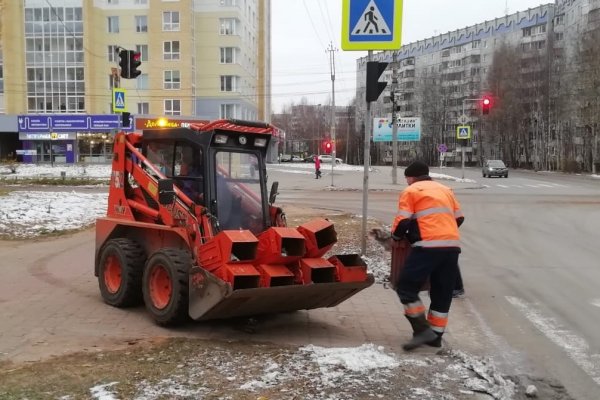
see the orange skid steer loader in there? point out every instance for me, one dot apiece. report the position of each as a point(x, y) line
point(191, 232)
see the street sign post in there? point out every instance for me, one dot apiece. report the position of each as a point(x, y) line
point(371, 24)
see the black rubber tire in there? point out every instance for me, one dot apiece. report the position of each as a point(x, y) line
point(131, 257)
point(177, 264)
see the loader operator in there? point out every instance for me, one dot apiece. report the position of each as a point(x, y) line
point(428, 216)
point(190, 178)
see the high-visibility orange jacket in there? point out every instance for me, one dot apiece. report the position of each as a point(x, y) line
point(428, 215)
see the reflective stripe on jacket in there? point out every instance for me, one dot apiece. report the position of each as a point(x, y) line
point(431, 210)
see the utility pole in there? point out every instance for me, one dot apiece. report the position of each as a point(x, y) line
point(394, 120)
point(331, 49)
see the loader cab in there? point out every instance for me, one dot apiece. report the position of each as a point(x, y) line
point(221, 170)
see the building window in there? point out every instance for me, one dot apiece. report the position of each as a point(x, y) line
point(143, 50)
point(143, 108)
point(113, 24)
point(228, 111)
point(112, 53)
point(228, 3)
point(141, 23)
point(227, 55)
point(172, 80)
point(228, 26)
point(171, 50)
point(171, 21)
point(141, 1)
point(228, 83)
point(141, 82)
point(172, 107)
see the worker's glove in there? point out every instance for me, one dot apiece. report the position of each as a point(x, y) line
point(383, 236)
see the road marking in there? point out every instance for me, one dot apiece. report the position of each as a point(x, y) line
point(533, 186)
point(575, 347)
point(502, 186)
point(595, 302)
point(545, 185)
point(559, 184)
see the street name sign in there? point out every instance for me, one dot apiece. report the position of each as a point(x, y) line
point(371, 24)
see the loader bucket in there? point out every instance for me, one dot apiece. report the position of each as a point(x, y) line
point(212, 298)
point(280, 246)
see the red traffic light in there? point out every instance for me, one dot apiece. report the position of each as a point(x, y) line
point(327, 147)
point(486, 103)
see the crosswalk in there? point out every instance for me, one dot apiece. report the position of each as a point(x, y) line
point(525, 185)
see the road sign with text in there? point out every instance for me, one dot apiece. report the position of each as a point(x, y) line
point(371, 24)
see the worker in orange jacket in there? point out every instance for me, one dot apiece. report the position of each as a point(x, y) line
point(428, 216)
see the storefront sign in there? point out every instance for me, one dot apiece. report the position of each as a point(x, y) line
point(27, 152)
point(69, 123)
point(157, 123)
point(47, 136)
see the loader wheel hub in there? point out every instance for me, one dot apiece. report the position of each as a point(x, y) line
point(160, 287)
point(112, 274)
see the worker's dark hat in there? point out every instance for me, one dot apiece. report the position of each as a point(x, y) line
point(416, 169)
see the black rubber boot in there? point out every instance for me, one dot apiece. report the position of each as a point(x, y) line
point(422, 333)
point(437, 342)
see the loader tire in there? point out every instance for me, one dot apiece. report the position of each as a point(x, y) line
point(165, 286)
point(120, 272)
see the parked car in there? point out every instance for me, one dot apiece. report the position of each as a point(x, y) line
point(310, 158)
point(326, 158)
point(296, 158)
point(494, 168)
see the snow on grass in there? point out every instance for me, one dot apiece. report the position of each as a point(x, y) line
point(94, 171)
point(101, 392)
point(28, 214)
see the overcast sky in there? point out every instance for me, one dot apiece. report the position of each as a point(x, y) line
point(303, 29)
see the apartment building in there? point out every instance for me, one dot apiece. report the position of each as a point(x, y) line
point(441, 78)
point(201, 60)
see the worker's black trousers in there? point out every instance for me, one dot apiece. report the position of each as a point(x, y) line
point(439, 266)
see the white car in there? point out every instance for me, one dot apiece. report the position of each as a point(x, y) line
point(326, 158)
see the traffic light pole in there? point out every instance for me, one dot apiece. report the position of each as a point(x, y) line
point(332, 51)
point(366, 162)
point(462, 146)
point(394, 120)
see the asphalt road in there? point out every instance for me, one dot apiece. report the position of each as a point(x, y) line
point(530, 263)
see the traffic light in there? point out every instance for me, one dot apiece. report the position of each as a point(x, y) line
point(134, 63)
point(327, 145)
point(124, 63)
point(485, 105)
point(374, 87)
point(125, 122)
point(129, 63)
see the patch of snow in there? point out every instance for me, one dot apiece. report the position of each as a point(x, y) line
point(29, 214)
point(100, 392)
point(95, 171)
point(358, 359)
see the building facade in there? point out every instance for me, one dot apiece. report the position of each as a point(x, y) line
point(519, 60)
point(201, 59)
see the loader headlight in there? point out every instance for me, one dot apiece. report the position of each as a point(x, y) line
point(260, 142)
point(243, 140)
point(220, 139)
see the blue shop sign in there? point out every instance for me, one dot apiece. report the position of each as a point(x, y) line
point(70, 123)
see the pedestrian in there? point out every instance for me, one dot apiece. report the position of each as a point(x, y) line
point(428, 216)
point(317, 167)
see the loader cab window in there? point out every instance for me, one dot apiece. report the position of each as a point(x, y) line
point(160, 155)
point(188, 171)
point(239, 191)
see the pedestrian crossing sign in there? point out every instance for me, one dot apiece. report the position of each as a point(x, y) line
point(118, 100)
point(371, 24)
point(463, 132)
